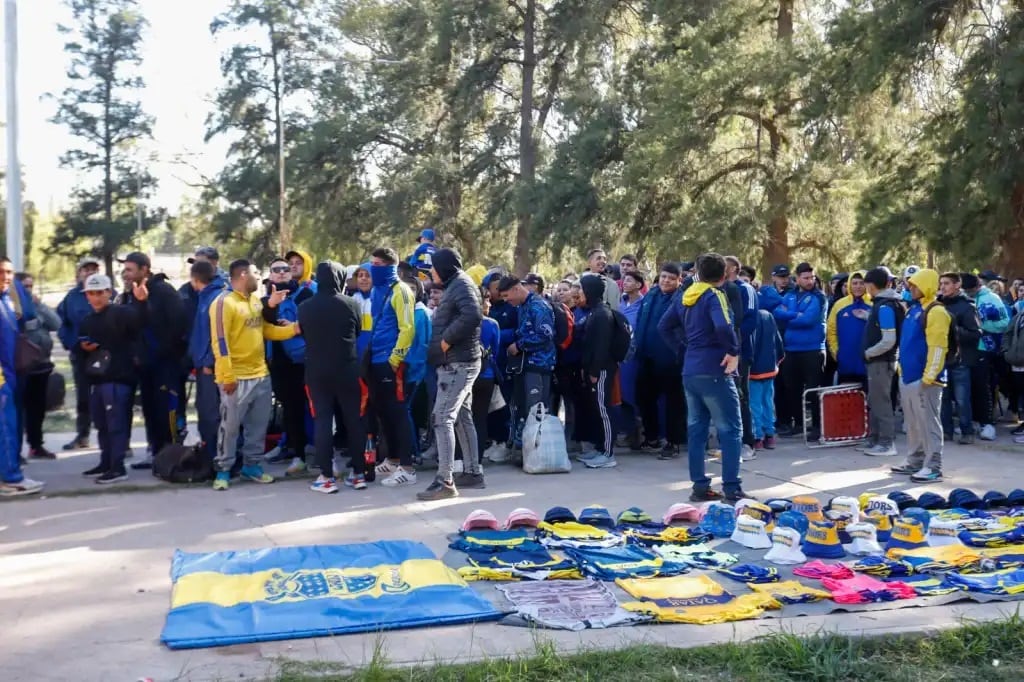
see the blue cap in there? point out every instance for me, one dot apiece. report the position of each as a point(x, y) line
point(1016, 497)
point(903, 500)
point(780, 271)
point(556, 514)
point(597, 516)
point(994, 498)
point(930, 500)
point(719, 520)
point(427, 234)
point(793, 519)
point(965, 499)
point(779, 504)
point(919, 514)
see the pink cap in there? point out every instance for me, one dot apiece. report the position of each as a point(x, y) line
point(680, 511)
point(480, 518)
point(522, 517)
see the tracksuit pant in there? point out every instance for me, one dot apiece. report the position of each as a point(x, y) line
point(453, 416)
point(158, 387)
point(246, 411)
point(804, 370)
point(594, 411)
point(208, 411)
point(388, 395)
point(83, 390)
point(921, 405)
point(762, 407)
point(110, 407)
point(331, 397)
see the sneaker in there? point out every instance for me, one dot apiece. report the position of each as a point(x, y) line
point(25, 486)
point(354, 481)
point(602, 461)
point(400, 477)
point(865, 445)
point(769, 442)
point(325, 485)
point(256, 474)
point(966, 440)
point(670, 451)
point(77, 444)
point(386, 468)
point(296, 468)
point(903, 470)
point(759, 444)
point(589, 454)
point(747, 453)
point(713, 453)
point(97, 470)
point(737, 495)
point(497, 453)
point(276, 456)
point(1019, 439)
point(708, 495)
point(471, 481)
point(41, 453)
point(1019, 431)
point(650, 446)
point(222, 481)
point(438, 490)
point(112, 477)
point(926, 476)
point(142, 465)
point(988, 432)
point(881, 451)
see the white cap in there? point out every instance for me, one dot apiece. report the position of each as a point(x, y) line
point(863, 539)
point(97, 282)
point(847, 505)
point(785, 547)
point(942, 532)
point(911, 271)
point(741, 504)
point(750, 532)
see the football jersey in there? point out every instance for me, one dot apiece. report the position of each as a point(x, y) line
point(648, 535)
point(482, 540)
point(697, 599)
point(697, 556)
point(577, 605)
point(820, 570)
point(930, 585)
point(538, 565)
point(623, 562)
point(882, 567)
point(791, 592)
point(1006, 582)
point(937, 559)
point(865, 589)
point(577, 535)
point(749, 573)
point(997, 537)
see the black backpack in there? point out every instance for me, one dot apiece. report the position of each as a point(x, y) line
point(183, 464)
point(622, 336)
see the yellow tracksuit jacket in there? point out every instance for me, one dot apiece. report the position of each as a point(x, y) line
point(237, 332)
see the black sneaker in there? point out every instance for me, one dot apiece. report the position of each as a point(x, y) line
point(77, 444)
point(1019, 431)
point(471, 481)
point(670, 451)
point(144, 464)
point(786, 432)
point(97, 470)
point(112, 477)
point(737, 495)
point(650, 446)
point(41, 453)
point(438, 490)
point(708, 495)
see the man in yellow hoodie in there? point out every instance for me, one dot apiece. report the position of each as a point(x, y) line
point(238, 332)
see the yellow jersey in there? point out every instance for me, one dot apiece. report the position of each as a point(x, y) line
point(237, 333)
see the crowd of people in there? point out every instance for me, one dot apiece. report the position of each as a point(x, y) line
point(396, 364)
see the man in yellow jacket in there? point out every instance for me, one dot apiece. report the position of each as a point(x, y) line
point(238, 333)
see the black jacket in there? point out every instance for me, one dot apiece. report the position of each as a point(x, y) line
point(967, 327)
point(458, 316)
point(330, 323)
point(116, 329)
point(164, 337)
point(597, 354)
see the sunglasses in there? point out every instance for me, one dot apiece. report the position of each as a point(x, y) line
point(280, 269)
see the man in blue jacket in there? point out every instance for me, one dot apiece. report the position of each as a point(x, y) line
point(659, 369)
point(72, 310)
point(207, 282)
point(702, 326)
point(803, 313)
point(770, 297)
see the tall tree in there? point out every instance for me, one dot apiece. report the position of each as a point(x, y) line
point(101, 109)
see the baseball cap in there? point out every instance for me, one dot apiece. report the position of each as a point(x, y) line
point(785, 547)
point(97, 282)
point(87, 261)
point(863, 539)
point(533, 278)
point(686, 266)
point(903, 500)
point(994, 498)
point(137, 257)
point(680, 511)
point(1016, 497)
point(910, 271)
point(428, 234)
point(480, 518)
point(990, 275)
point(965, 499)
point(522, 517)
point(207, 252)
point(598, 517)
point(822, 541)
point(751, 533)
point(556, 514)
point(780, 271)
point(930, 500)
point(779, 504)
point(943, 532)
point(633, 515)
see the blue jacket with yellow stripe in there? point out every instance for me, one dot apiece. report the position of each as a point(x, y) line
point(845, 334)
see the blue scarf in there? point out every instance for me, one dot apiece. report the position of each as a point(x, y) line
point(383, 277)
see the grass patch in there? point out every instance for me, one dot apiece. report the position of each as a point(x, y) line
point(993, 652)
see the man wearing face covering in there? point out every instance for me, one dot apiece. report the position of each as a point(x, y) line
point(332, 373)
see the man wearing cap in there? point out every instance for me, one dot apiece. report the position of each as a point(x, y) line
point(110, 337)
point(12, 481)
point(879, 345)
point(422, 257)
point(802, 314)
point(72, 310)
point(845, 332)
point(995, 320)
point(597, 262)
point(160, 351)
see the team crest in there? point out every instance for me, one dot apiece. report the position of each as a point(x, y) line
point(303, 585)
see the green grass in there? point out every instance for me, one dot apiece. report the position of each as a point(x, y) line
point(993, 652)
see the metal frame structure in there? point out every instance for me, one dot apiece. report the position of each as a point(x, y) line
point(831, 398)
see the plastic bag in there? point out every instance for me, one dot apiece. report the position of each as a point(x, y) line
point(544, 443)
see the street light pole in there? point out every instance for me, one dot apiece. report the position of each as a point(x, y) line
point(15, 244)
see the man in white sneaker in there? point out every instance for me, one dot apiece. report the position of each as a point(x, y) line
point(881, 344)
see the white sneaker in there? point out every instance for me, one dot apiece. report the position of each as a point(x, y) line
point(988, 432)
point(386, 468)
point(497, 453)
point(296, 468)
point(881, 451)
point(400, 477)
point(747, 453)
point(24, 487)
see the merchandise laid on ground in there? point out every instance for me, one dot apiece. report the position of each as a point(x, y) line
point(697, 565)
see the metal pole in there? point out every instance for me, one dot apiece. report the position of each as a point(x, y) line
point(138, 207)
point(15, 237)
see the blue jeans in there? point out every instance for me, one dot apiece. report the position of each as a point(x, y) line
point(959, 391)
point(762, 407)
point(713, 398)
point(208, 411)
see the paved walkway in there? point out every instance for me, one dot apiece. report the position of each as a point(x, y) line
point(87, 575)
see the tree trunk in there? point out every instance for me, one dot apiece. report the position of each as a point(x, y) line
point(284, 231)
point(776, 250)
point(108, 190)
point(527, 152)
point(1011, 247)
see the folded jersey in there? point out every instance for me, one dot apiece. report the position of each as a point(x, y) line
point(820, 570)
point(791, 592)
point(697, 599)
point(865, 589)
point(577, 535)
point(1005, 582)
point(623, 562)
point(696, 556)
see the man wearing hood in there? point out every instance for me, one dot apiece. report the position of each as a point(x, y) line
point(845, 332)
point(331, 323)
point(288, 359)
point(301, 264)
point(598, 376)
point(702, 326)
point(924, 342)
point(208, 283)
point(880, 345)
point(959, 365)
point(454, 351)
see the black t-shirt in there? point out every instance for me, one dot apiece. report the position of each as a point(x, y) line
point(115, 329)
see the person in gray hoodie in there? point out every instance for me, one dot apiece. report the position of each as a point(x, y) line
point(37, 379)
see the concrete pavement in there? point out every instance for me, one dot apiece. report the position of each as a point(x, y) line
point(84, 582)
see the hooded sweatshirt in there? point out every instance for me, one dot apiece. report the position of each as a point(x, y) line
point(330, 322)
point(199, 347)
point(597, 355)
point(458, 314)
point(72, 310)
point(924, 340)
point(394, 319)
point(845, 332)
point(306, 279)
point(702, 326)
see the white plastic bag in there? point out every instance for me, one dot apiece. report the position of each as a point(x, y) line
point(544, 443)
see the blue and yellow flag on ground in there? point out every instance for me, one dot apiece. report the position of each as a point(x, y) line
point(290, 592)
